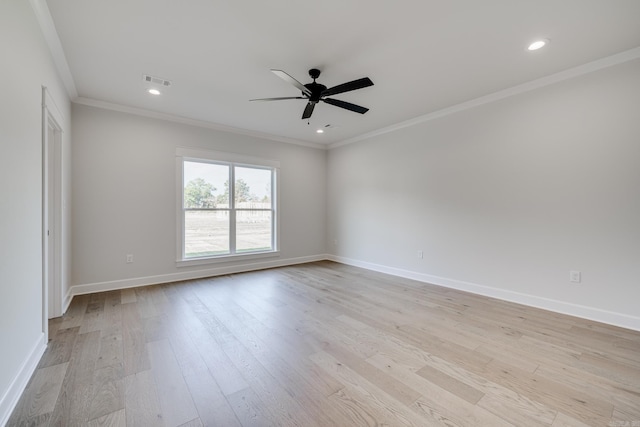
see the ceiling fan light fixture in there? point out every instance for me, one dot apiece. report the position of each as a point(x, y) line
point(319, 131)
point(538, 44)
point(154, 92)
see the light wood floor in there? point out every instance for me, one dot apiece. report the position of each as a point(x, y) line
point(325, 344)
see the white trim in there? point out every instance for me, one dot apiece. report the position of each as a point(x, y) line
point(225, 156)
point(53, 108)
point(20, 381)
point(192, 122)
point(190, 262)
point(231, 160)
point(44, 147)
point(67, 300)
point(189, 275)
point(590, 313)
point(179, 210)
point(51, 185)
point(587, 68)
point(43, 16)
point(47, 26)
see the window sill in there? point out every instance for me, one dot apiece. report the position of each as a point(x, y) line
point(226, 258)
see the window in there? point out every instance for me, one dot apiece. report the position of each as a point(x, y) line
point(226, 206)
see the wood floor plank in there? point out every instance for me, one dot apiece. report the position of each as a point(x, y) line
point(376, 397)
point(517, 410)
point(563, 420)
point(144, 301)
point(111, 350)
point(107, 391)
point(175, 400)
point(204, 333)
point(141, 401)
point(516, 407)
point(93, 314)
point(397, 389)
point(35, 421)
point(326, 344)
point(605, 389)
point(292, 350)
point(435, 401)
point(135, 356)
point(72, 406)
point(213, 408)
point(41, 393)
point(75, 313)
point(113, 419)
point(250, 409)
point(622, 417)
point(302, 382)
point(155, 328)
point(193, 423)
point(281, 405)
point(451, 384)
point(360, 412)
point(449, 411)
point(553, 394)
point(59, 349)
point(128, 296)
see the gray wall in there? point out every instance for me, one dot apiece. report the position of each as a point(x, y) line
point(506, 198)
point(26, 66)
point(124, 188)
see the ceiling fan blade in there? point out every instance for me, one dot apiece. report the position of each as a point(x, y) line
point(346, 105)
point(287, 78)
point(349, 86)
point(308, 111)
point(278, 99)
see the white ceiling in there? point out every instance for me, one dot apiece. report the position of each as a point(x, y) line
point(422, 55)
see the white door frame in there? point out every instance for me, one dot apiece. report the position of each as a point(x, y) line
point(51, 211)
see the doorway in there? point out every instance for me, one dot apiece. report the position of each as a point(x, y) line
point(51, 211)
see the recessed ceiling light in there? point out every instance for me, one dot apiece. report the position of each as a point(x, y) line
point(320, 131)
point(538, 44)
point(154, 91)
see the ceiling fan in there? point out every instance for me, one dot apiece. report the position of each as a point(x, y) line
point(316, 92)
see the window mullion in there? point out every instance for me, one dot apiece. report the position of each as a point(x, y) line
point(232, 210)
point(272, 197)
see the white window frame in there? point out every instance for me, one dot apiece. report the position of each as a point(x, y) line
point(232, 160)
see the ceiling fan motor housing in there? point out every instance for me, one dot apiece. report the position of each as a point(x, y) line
point(316, 91)
point(315, 88)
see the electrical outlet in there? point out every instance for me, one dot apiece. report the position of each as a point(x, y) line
point(420, 254)
point(574, 276)
point(129, 258)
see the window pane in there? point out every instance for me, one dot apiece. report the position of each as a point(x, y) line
point(252, 188)
point(206, 233)
point(206, 185)
point(253, 231)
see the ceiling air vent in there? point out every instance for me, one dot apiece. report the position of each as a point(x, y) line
point(156, 80)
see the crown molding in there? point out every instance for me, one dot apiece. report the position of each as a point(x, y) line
point(590, 67)
point(191, 122)
point(41, 11)
point(43, 16)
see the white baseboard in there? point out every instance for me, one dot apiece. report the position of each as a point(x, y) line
point(590, 313)
point(90, 288)
point(19, 383)
point(67, 300)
